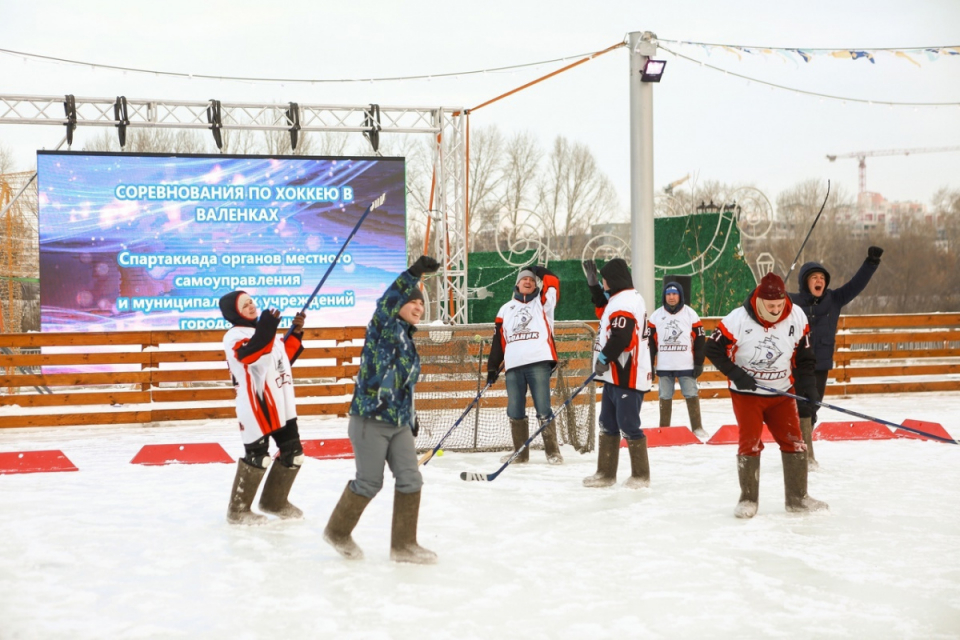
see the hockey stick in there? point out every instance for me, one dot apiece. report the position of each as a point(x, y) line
point(490, 477)
point(794, 265)
point(373, 205)
point(859, 415)
point(425, 458)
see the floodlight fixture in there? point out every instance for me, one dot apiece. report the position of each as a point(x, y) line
point(653, 70)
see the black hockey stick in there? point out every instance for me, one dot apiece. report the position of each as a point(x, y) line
point(859, 415)
point(490, 477)
point(425, 458)
point(373, 205)
point(815, 220)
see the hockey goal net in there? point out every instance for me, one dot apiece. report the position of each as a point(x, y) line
point(453, 362)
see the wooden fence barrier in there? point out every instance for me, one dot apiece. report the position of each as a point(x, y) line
point(65, 378)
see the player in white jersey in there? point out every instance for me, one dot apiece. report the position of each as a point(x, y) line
point(523, 343)
point(260, 362)
point(677, 342)
point(767, 341)
point(622, 363)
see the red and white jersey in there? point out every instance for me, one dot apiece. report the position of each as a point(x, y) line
point(766, 353)
point(527, 329)
point(675, 335)
point(263, 382)
point(633, 371)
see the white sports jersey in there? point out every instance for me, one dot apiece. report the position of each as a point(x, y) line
point(764, 353)
point(675, 335)
point(263, 382)
point(635, 358)
point(527, 330)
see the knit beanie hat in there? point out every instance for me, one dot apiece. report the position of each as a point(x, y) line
point(771, 288)
point(416, 294)
point(526, 273)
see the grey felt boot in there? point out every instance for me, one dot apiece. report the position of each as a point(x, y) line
point(666, 412)
point(696, 424)
point(273, 499)
point(519, 431)
point(550, 444)
point(342, 522)
point(639, 465)
point(608, 457)
point(403, 536)
point(748, 468)
point(806, 428)
point(244, 490)
point(795, 484)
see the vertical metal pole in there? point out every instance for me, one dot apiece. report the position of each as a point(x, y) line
point(642, 46)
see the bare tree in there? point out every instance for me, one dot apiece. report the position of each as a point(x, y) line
point(486, 174)
point(520, 169)
point(149, 141)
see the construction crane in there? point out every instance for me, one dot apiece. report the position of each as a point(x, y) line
point(676, 183)
point(863, 155)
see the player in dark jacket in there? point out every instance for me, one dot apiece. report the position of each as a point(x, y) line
point(822, 306)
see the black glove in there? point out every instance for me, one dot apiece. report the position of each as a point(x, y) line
point(539, 271)
point(873, 255)
point(600, 367)
point(424, 264)
point(269, 320)
point(697, 370)
point(492, 377)
point(743, 380)
point(809, 391)
point(416, 426)
point(590, 268)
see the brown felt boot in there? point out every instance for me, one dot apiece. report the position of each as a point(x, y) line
point(806, 428)
point(273, 499)
point(550, 444)
point(244, 490)
point(608, 457)
point(403, 537)
point(520, 431)
point(748, 468)
point(342, 521)
point(696, 423)
point(666, 412)
point(795, 484)
point(639, 465)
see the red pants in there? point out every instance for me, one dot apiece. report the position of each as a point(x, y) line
point(780, 415)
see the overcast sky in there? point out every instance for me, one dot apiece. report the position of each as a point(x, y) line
point(707, 123)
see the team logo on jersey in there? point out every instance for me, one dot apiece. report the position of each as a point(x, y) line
point(521, 327)
point(765, 357)
point(672, 333)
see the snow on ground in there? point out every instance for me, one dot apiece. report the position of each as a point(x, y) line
point(125, 551)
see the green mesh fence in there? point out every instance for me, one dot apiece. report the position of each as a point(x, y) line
point(715, 292)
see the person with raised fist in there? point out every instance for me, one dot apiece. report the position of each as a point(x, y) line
point(523, 344)
point(823, 306)
point(383, 422)
point(260, 365)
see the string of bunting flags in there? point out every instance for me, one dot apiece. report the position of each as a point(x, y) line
point(806, 55)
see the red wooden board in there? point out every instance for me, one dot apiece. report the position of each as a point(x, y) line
point(194, 453)
point(934, 428)
point(730, 434)
point(667, 437)
point(328, 449)
point(851, 430)
point(35, 462)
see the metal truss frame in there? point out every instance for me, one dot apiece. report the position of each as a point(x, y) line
point(447, 126)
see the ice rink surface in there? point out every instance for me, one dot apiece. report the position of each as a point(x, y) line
point(119, 550)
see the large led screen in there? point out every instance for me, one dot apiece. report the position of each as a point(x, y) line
point(138, 242)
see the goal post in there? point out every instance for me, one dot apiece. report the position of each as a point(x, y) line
point(453, 370)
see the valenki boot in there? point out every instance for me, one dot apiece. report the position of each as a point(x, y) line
point(748, 468)
point(608, 457)
point(244, 490)
point(519, 431)
point(806, 428)
point(795, 484)
point(273, 499)
point(342, 522)
point(696, 423)
point(666, 412)
point(639, 465)
point(403, 536)
point(550, 444)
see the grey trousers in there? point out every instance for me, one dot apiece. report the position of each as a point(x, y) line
point(375, 442)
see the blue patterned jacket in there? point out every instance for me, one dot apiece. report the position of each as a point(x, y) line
point(389, 363)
